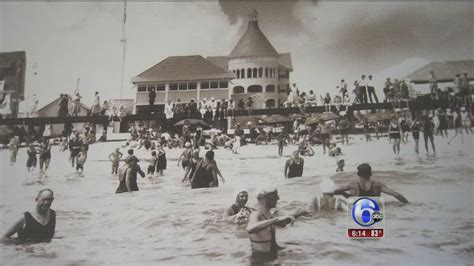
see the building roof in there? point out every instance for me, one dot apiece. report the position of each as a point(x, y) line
point(285, 60)
point(220, 61)
point(183, 68)
point(253, 43)
point(444, 71)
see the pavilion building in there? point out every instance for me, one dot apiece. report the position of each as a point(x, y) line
point(253, 69)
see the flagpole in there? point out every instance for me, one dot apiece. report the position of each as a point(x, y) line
point(124, 45)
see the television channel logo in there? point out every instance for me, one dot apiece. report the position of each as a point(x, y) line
point(365, 218)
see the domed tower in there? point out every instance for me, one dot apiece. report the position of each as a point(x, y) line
point(261, 73)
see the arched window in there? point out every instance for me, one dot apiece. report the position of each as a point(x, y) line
point(255, 74)
point(242, 73)
point(270, 88)
point(270, 103)
point(274, 72)
point(249, 73)
point(260, 72)
point(254, 88)
point(266, 72)
point(271, 72)
point(238, 89)
point(238, 73)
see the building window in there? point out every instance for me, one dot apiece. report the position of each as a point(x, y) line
point(160, 87)
point(270, 103)
point(284, 74)
point(183, 86)
point(238, 73)
point(255, 74)
point(204, 85)
point(173, 86)
point(270, 88)
point(249, 73)
point(223, 84)
point(238, 89)
point(266, 72)
point(141, 88)
point(271, 72)
point(242, 73)
point(254, 88)
point(151, 87)
point(260, 72)
point(214, 84)
point(192, 85)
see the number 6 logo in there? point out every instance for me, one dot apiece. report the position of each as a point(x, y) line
point(362, 211)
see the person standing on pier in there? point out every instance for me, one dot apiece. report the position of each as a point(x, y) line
point(151, 99)
point(95, 109)
point(77, 103)
point(386, 89)
point(63, 105)
point(371, 90)
point(433, 82)
point(363, 88)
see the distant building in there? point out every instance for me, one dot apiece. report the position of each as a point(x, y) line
point(445, 73)
point(12, 78)
point(51, 110)
point(253, 69)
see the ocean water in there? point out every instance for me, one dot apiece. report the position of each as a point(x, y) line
point(168, 223)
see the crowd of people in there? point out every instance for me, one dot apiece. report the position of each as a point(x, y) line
point(203, 172)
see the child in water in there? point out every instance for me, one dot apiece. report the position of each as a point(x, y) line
point(152, 165)
point(161, 160)
point(114, 157)
point(81, 160)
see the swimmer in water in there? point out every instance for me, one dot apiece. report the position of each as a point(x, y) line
point(36, 226)
point(238, 213)
point(261, 227)
point(367, 188)
point(327, 202)
point(186, 155)
point(294, 166)
point(339, 160)
point(395, 135)
point(115, 157)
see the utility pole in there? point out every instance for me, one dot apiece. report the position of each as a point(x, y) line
point(124, 45)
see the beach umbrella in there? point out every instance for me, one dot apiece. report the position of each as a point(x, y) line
point(379, 117)
point(318, 117)
point(211, 132)
point(252, 119)
point(193, 121)
point(277, 119)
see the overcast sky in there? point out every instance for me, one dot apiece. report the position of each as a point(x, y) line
point(327, 41)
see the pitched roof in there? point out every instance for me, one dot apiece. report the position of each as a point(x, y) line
point(285, 60)
point(182, 68)
point(220, 61)
point(253, 43)
point(444, 71)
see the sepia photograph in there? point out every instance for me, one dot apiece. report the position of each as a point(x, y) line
point(236, 132)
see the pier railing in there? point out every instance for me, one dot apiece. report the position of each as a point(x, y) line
point(414, 105)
